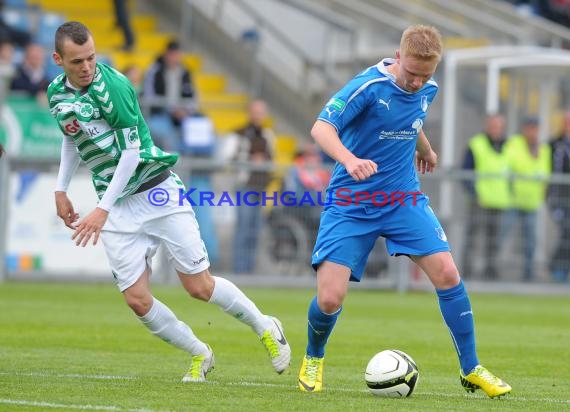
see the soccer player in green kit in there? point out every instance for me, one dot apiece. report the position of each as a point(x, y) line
point(98, 112)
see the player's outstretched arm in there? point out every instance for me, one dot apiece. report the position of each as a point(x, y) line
point(426, 158)
point(327, 138)
point(68, 164)
point(65, 210)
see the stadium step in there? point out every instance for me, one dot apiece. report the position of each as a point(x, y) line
point(213, 100)
point(209, 83)
point(121, 60)
point(140, 23)
point(98, 6)
point(450, 42)
point(143, 60)
point(146, 43)
point(226, 120)
point(192, 62)
point(285, 149)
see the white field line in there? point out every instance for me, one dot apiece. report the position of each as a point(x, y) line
point(508, 398)
point(68, 375)
point(43, 405)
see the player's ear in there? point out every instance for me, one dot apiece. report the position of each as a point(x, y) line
point(398, 55)
point(57, 58)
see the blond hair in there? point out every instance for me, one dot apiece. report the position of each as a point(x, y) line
point(422, 42)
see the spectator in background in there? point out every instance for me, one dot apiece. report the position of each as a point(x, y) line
point(294, 226)
point(254, 146)
point(308, 175)
point(123, 21)
point(489, 197)
point(20, 38)
point(133, 73)
point(557, 11)
point(6, 52)
point(530, 166)
point(169, 93)
point(177, 126)
point(30, 76)
point(524, 7)
point(559, 202)
point(200, 141)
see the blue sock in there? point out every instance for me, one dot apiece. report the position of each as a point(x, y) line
point(319, 329)
point(457, 314)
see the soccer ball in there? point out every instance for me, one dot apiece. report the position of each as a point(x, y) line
point(391, 373)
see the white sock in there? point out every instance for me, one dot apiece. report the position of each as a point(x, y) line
point(233, 301)
point(162, 322)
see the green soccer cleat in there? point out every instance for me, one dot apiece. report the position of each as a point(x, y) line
point(201, 365)
point(277, 347)
point(481, 378)
point(311, 374)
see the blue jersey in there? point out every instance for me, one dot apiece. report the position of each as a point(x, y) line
point(377, 120)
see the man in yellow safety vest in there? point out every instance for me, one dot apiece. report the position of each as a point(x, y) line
point(530, 166)
point(489, 194)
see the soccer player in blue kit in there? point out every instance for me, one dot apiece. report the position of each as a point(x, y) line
point(372, 127)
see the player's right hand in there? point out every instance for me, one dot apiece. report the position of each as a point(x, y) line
point(65, 210)
point(360, 169)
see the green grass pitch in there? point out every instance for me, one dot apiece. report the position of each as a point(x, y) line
point(78, 347)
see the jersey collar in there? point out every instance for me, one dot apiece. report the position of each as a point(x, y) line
point(382, 67)
point(73, 89)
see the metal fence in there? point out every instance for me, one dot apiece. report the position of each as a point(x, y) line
point(38, 245)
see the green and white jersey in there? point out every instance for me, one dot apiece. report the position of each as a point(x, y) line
point(104, 119)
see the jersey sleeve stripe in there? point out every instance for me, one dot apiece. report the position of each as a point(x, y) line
point(329, 122)
point(362, 88)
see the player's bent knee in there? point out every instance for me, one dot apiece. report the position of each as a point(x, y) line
point(329, 302)
point(448, 277)
point(140, 304)
point(199, 286)
point(200, 293)
point(450, 271)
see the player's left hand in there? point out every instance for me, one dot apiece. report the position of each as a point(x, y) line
point(91, 225)
point(426, 163)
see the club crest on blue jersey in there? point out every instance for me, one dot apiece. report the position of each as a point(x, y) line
point(441, 234)
point(417, 125)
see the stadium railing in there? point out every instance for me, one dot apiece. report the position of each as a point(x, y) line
point(39, 246)
point(305, 64)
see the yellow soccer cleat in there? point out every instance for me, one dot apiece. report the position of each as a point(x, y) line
point(200, 366)
point(311, 374)
point(277, 347)
point(481, 378)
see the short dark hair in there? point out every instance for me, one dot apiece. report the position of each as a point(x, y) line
point(531, 120)
point(173, 45)
point(74, 30)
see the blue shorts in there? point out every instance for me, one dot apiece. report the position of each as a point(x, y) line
point(347, 235)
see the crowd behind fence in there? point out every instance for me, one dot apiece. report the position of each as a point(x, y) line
point(39, 245)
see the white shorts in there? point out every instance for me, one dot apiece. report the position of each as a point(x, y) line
point(136, 227)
